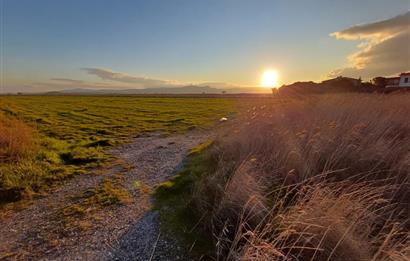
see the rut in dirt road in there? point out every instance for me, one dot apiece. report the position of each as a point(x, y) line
point(119, 232)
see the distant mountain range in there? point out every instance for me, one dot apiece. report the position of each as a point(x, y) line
point(339, 84)
point(193, 89)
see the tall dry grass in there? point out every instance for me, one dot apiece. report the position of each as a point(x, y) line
point(16, 139)
point(19, 171)
point(326, 223)
point(313, 178)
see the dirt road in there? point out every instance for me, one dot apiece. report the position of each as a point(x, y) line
point(117, 232)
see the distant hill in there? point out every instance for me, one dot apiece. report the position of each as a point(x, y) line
point(191, 89)
point(336, 85)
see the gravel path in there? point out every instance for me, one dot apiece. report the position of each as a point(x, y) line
point(119, 232)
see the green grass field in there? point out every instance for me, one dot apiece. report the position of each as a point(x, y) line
point(72, 134)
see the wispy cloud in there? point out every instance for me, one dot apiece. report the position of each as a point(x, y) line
point(116, 80)
point(56, 84)
point(65, 80)
point(384, 50)
point(136, 81)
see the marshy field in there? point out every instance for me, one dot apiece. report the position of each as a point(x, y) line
point(46, 139)
point(312, 177)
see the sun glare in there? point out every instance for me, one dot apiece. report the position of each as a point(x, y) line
point(269, 79)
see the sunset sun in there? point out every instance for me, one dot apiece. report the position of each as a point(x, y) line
point(269, 79)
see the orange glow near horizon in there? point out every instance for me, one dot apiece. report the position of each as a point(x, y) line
point(270, 79)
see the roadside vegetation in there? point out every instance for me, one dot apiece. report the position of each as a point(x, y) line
point(309, 178)
point(47, 139)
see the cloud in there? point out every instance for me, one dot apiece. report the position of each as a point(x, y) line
point(116, 81)
point(65, 80)
point(384, 51)
point(136, 81)
point(55, 84)
point(381, 29)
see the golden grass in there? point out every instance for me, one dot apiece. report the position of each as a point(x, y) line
point(107, 194)
point(16, 139)
point(326, 223)
point(313, 178)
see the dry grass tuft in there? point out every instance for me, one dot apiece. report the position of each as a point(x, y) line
point(16, 140)
point(313, 178)
point(107, 194)
point(327, 224)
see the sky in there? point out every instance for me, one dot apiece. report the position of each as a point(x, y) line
point(53, 45)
